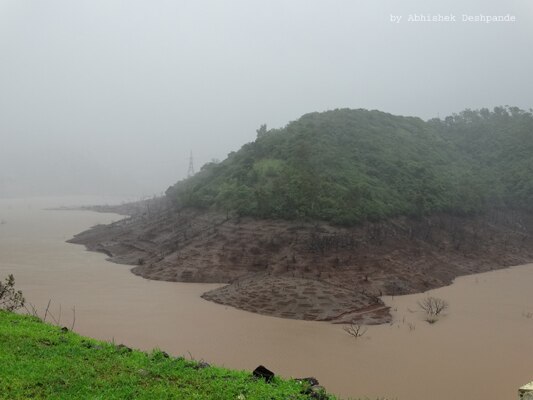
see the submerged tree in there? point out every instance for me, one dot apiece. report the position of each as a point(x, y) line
point(433, 306)
point(354, 329)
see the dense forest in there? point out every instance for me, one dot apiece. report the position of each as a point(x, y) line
point(349, 166)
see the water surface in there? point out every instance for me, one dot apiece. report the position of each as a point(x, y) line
point(480, 350)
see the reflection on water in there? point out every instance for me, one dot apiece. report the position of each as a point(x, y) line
point(480, 350)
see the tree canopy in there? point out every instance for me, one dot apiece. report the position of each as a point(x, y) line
point(348, 166)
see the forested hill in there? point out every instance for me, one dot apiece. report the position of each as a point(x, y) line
point(349, 166)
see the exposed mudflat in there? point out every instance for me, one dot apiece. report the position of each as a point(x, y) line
point(311, 271)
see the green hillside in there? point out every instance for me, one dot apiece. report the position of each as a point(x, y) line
point(497, 146)
point(348, 166)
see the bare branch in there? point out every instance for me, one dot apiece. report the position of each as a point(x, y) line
point(53, 318)
point(354, 329)
point(73, 318)
point(433, 306)
point(46, 311)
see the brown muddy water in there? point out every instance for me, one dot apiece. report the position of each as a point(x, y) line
point(482, 348)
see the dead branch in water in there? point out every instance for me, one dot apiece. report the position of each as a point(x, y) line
point(433, 306)
point(354, 329)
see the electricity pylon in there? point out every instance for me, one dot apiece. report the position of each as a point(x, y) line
point(190, 171)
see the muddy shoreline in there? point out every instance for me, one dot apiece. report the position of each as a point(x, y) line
point(310, 271)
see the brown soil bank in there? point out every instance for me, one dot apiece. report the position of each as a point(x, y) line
point(312, 271)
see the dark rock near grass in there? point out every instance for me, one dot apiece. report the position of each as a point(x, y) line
point(124, 349)
point(314, 391)
point(318, 393)
point(263, 372)
point(310, 380)
point(202, 365)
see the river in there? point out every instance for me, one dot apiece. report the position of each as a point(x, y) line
point(481, 349)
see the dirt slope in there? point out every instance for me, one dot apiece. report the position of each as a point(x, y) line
point(312, 271)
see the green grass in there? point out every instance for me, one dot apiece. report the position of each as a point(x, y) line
point(38, 360)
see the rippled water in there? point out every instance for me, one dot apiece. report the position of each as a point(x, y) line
point(482, 348)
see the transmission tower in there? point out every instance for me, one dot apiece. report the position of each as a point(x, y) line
point(190, 171)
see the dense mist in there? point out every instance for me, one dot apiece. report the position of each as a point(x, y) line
point(110, 97)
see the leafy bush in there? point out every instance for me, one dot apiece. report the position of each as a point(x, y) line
point(10, 299)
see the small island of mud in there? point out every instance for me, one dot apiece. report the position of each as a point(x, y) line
point(310, 270)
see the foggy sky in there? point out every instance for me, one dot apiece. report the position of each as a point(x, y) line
point(109, 97)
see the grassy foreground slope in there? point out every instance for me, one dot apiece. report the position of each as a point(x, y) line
point(39, 361)
point(351, 166)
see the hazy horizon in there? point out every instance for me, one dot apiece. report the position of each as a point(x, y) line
point(110, 97)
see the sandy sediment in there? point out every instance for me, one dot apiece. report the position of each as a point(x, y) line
point(312, 271)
